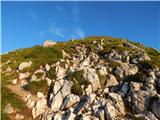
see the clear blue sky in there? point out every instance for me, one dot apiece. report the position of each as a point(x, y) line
point(25, 24)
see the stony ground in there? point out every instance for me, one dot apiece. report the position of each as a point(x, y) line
point(97, 78)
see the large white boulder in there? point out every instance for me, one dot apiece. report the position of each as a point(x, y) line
point(56, 101)
point(39, 108)
point(91, 75)
point(24, 65)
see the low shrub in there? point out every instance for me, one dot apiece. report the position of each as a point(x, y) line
point(78, 76)
point(76, 88)
point(51, 73)
point(147, 64)
point(37, 86)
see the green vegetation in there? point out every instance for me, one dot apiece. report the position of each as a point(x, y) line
point(9, 97)
point(39, 55)
point(4, 116)
point(154, 55)
point(147, 64)
point(136, 78)
point(78, 80)
point(76, 88)
point(78, 76)
point(37, 86)
point(39, 75)
point(51, 73)
point(113, 64)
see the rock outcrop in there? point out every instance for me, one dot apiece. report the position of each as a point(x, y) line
point(92, 79)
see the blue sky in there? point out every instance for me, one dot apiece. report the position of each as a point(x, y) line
point(25, 24)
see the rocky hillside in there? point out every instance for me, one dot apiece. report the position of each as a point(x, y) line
point(95, 78)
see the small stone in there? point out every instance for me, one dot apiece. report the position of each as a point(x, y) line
point(19, 116)
point(14, 81)
point(47, 67)
point(8, 109)
point(135, 86)
point(88, 90)
point(111, 81)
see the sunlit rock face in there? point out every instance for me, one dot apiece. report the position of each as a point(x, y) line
point(48, 43)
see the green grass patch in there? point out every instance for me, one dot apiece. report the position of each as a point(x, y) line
point(76, 88)
point(51, 74)
point(37, 86)
point(9, 97)
point(78, 80)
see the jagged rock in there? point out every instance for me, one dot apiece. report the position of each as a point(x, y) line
point(60, 72)
point(19, 116)
point(24, 65)
point(64, 54)
point(118, 103)
point(103, 71)
point(24, 75)
point(143, 57)
point(150, 79)
point(88, 117)
point(111, 81)
point(33, 78)
point(91, 75)
point(69, 115)
point(57, 116)
point(88, 90)
point(97, 105)
point(156, 107)
point(14, 81)
point(56, 101)
point(39, 108)
point(40, 95)
point(101, 114)
point(139, 101)
point(150, 116)
point(70, 100)
point(49, 81)
point(47, 67)
point(135, 86)
point(145, 116)
point(56, 87)
point(125, 88)
point(9, 69)
point(8, 109)
point(110, 110)
point(66, 88)
point(126, 69)
point(114, 55)
point(48, 43)
point(30, 103)
point(119, 72)
point(91, 98)
point(85, 63)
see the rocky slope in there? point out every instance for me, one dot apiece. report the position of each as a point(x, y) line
point(95, 78)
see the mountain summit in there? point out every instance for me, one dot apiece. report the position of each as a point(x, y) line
point(94, 78)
